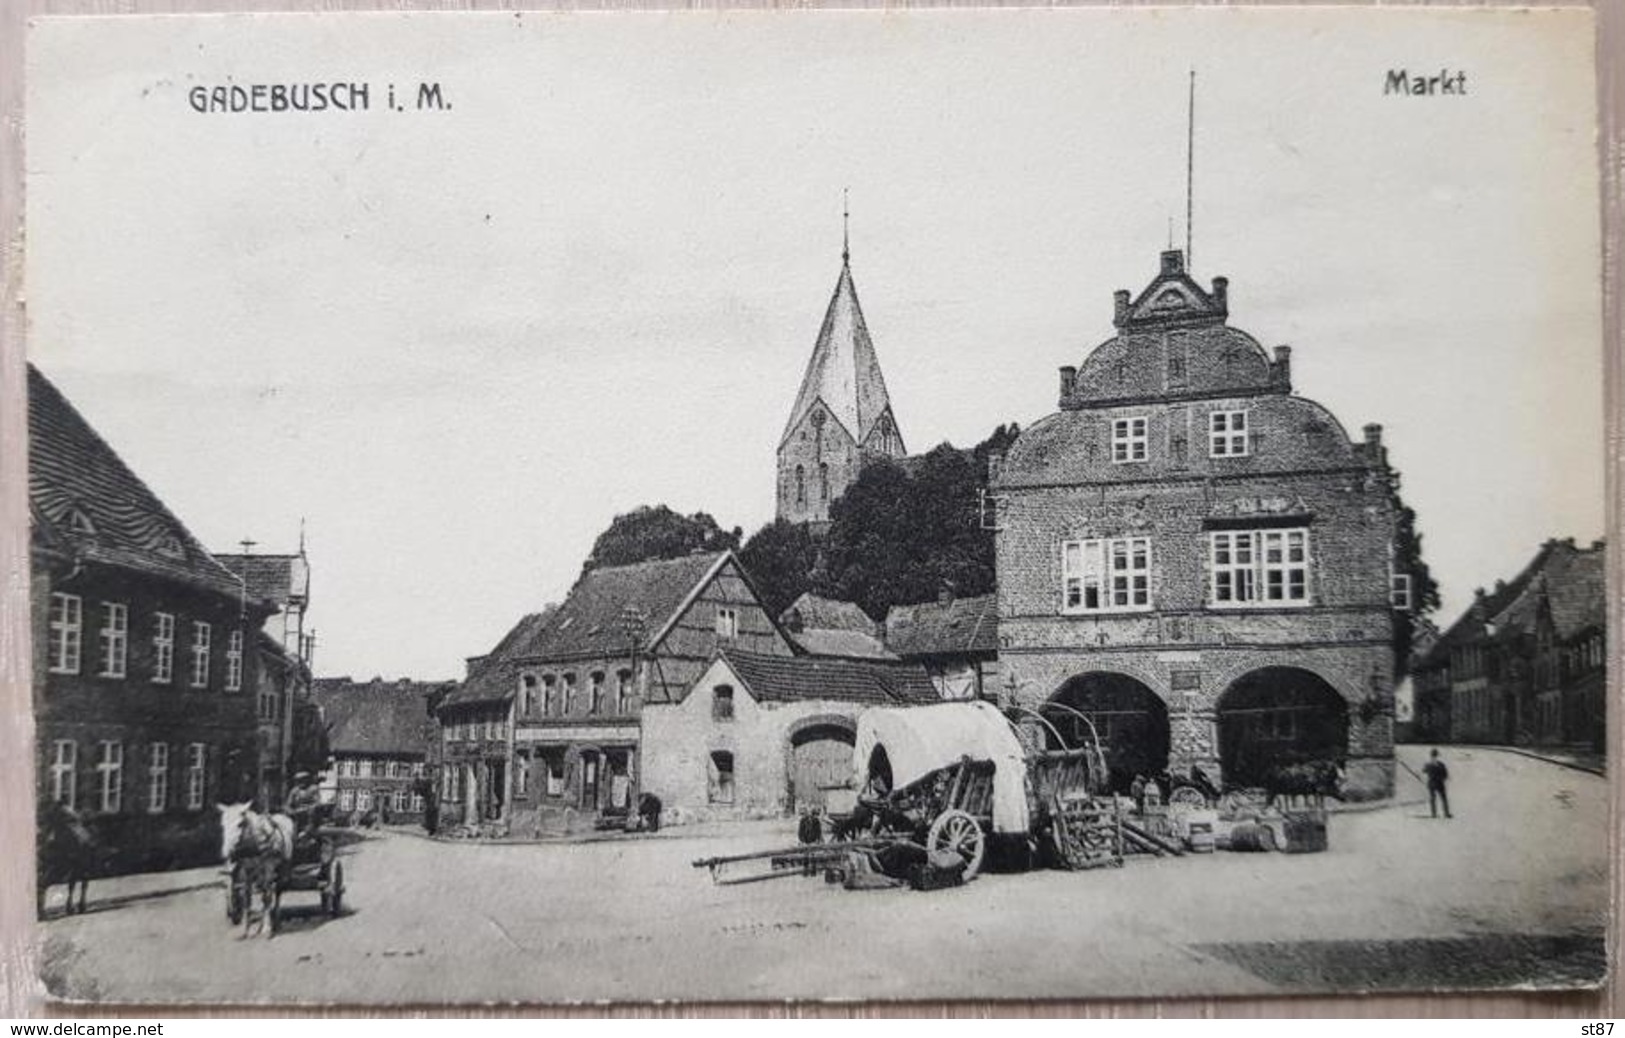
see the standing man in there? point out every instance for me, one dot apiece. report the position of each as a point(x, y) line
point(1437, 775)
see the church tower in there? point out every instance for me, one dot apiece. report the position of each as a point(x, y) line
point(842, 415)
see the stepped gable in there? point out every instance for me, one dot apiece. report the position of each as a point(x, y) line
point(794, 678)
point(86, 502)
point(844, 372)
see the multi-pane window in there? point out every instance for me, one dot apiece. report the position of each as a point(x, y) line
point(363, 800)
point(234, 660)
point(157, 777)
point(1227, 434)
point(1399, 592)
point(115, 639)
point(1106, 575)
point(67, 633)
point(110, 775)
point(403, 799)
point(201, 635)
point(347, 800)
point(363, 767)
point(1128, 439)
point(727, 623)
point(197, 756)
point(417, 802)
point(163, 648)
point(64, 772)
point(722, 703)
point(527, 694)
point(550, 696)
point(1259, 567)
point(595, 693)
point(569, 694)
point(270, 704)
point(623, 691)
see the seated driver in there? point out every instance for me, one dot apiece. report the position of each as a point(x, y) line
point(303, 799)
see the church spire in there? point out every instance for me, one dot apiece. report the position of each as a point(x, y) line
point(846, 229)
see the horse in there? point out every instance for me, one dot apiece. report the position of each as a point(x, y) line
point(1311, 779)
point(262, 845)
point(68, 853)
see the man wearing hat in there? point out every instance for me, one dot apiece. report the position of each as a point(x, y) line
point(303, 800)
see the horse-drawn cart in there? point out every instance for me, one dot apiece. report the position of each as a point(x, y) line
point(254, 850)
point(940, 786)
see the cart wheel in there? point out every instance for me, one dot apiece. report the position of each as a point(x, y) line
point(956, 831)
point(236, 894)
point(333, 897)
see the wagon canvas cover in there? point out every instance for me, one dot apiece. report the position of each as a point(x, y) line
point(920, 740)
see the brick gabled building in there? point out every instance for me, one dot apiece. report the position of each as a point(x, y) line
point(544, 733)
point(380, 736)
point(1196, 558)
point(144, 666)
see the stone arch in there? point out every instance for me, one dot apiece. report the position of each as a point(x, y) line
point(817, 755)
point(1274, 716)
point(1129, 716)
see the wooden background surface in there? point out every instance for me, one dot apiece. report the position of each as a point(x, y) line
point(19, 990)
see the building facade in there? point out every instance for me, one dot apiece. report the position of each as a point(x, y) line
point(842, 414)
point(144, 666)
point(544, 735)
point(1525, 664)
point(380, 735)
point(1196, 559)
point(955, 639)
point(759, 736)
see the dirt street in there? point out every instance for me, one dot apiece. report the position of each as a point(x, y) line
point(1513, 889)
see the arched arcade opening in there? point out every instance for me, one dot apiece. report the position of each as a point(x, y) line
point(1279, 716)
point(1132, 722)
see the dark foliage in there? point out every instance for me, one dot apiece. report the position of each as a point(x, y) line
point(781, 558)
point(656, 532)
point(1424, 589)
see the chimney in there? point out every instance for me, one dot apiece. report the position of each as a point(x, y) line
point(1373, 434)
point(1221, 293)
point(1069, 378)
point(1281, 370)
point(1173, 262)
point(1598, 545)
point(793, 621)
point(1120, 307)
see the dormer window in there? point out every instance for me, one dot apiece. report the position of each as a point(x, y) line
point(1227, 434)
point(79, 522)
point(170, 545)
point(1128, 440)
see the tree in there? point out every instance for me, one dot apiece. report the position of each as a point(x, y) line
point(656, 532)
point(1424, 589)
point(781, 557)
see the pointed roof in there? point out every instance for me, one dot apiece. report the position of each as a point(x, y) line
point(84, 500)
point(843, 372)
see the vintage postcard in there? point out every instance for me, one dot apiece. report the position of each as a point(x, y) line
point(482, 549)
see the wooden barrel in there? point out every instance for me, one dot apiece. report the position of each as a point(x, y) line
point(1251, 836)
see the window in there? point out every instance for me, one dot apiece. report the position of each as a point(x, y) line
point(521, 774)
point(727, 623)
point(555, 774)
point(721, 785)
point(550, 696)
point(200, 654)
point(115, 638)
point(595, 693)
point(801, 485)
point(569, 694)
point(270, 704)
point(157, 777)
point(1399, 592)
point(527, 694)
point(823, 481)
point(623, 691)
point(1260, 567)
point(1227, 434)
point(234, 660)
point(403, 799)
point(1106, 575)
point(110, 775)
point(347, 800)
point(197, 756)
point(417, 803)
point(722, 703)
point(64, 762)
point(163, 648)
point(363, 767)
point(363, 800)
point(1128, 440)
point(67, 633)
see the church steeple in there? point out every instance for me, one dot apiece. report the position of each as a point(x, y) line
point(842, 412)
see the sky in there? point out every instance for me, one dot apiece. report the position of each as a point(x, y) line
point(455, 343)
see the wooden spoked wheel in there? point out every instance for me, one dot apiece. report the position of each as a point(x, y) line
point(956, 831)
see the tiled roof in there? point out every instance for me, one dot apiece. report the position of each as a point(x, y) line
point(84, 499)
point(589, 621)
point(1571, 578)
point(384, 717)
point(493, 678)
point(956, 627)
point(811, 611)
point(843, 371)
point(821, 641)
point(792, 678)
point(271, 578)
